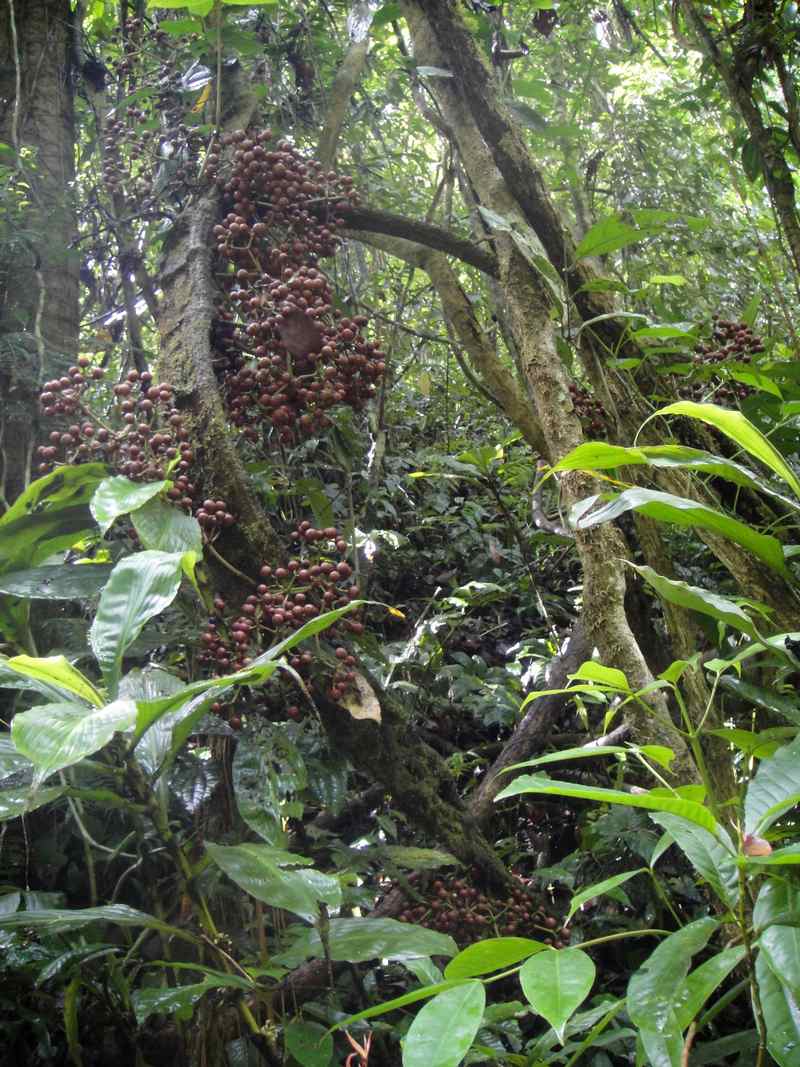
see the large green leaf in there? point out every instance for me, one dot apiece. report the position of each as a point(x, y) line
point(259, 671)
point(140, 587)
point(119, 496)
point(651, 1000)
point(359, 940)
point(66, 581)
point(778, 703)
point(51, 515)
point(309, 1043)
point(491, 954)
point(696, 598)
point(781, 1015)
point(599, 455)
point(254, 869)
point(774, 789)
point(166, 1000)
point(664, 507)
point(54, 736)
point(64, 920)
point(712, 855)
point(741, 431)
point(688, 809)
point(776, 915)
point(16, 802)
point(556, 983)
point(444, 1029)
point(609, 235)
point(702, 982)
point(166, 528)
point(599, 888)
point(58, 672)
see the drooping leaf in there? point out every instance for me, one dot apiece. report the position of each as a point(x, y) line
point(688, 809)
point(778, 703)
point(775, 789)
point(713, 855)
point(556, 983)
point(180, 1000)
point(608, 235)
point(64, 920)
point(140, 587)
point(67, 581)
point(741, 431)
point(696, 598)
point(444, 1029)
point(254, 869)
point(120, 496)
point(359, 940)
point(491, 954)
point(55, 671)
point(665, 507)
point(55, 736)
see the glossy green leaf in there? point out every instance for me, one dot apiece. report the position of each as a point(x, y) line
point(359, 940)
point(556, 983)
point(582, 752)
point(168, 1000)
point(609, 235)
point(166, 528)
point(417, 859)
point(739, 430)
point(652, 1004)
point(774, 789)
point(781, 1013)
point(491, 954)
point(444, 1029)
point(140, 587)
point(55, 671)
point(54, 736)
point(697, 599)
point(599, 888)
point(782, 704)
point(702, 982)
point(590, 671)
point(51, 515)
point(664, 507)
point(779, 940)
point(425, 993)
point(309, 1043)
point(530, 783)
point(67, 581)
point(64, 920)
point(712, 854)
point(16, 802)
point(120, 496)
point(254, 869)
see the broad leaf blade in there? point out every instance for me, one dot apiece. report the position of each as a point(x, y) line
point(491, 954)
point(359, 940)
point(557, 983)
point(774, 789)
point(444, 1029)
point(56, 671)
point(55, 736)
point(688, 809)
point(140, 587)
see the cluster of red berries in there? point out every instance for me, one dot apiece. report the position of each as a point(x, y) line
point(589, 410)
point(286, 354)
point(145, 432)
point(734, 341)
point(287, 597)
point(457, 908)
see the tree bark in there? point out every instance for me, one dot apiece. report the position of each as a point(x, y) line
point(38, 269)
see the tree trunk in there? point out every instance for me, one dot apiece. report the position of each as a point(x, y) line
point(38, 268)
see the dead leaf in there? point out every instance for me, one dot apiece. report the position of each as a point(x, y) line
point(362, 704)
